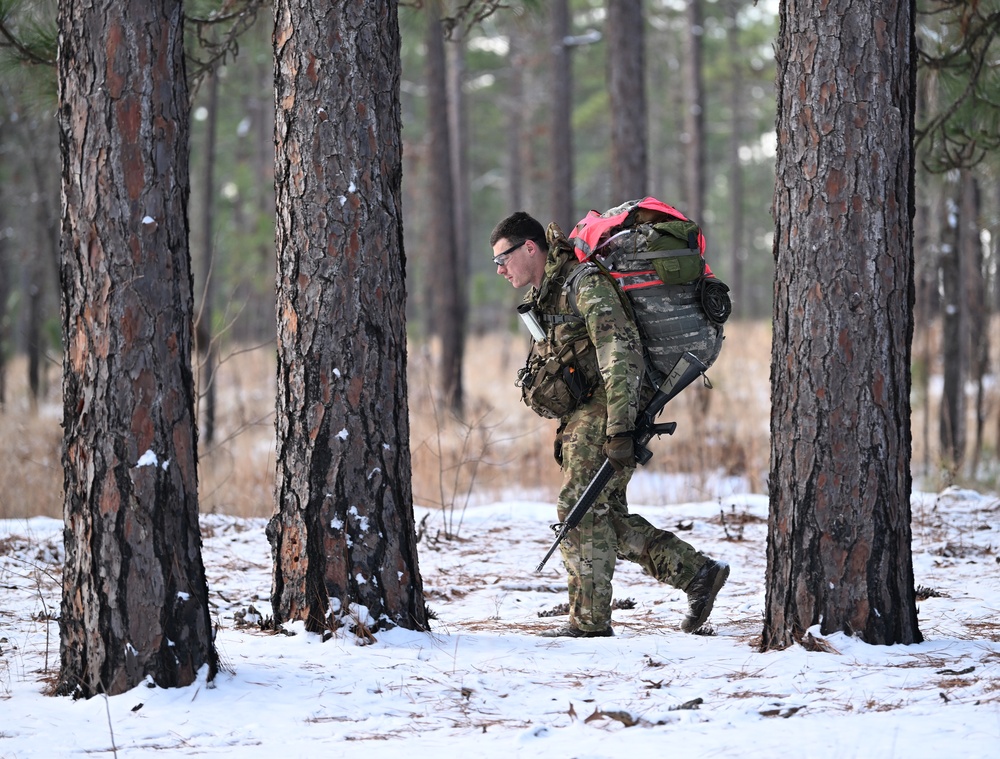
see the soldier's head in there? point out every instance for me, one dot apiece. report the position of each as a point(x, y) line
point(519, 249)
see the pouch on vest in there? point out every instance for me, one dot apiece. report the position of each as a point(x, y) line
point(681, 261)
point(553, 385)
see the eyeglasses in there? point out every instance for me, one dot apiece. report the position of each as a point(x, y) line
point(501, 259)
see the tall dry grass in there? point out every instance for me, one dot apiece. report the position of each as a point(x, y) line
point(500, 449)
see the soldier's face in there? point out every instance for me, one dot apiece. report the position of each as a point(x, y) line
point(518, 263)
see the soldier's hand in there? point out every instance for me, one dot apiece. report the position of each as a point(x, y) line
point(620, 451)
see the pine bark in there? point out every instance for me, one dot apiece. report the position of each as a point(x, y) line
point(342, 535)
point(134, 591)
point(839, 528)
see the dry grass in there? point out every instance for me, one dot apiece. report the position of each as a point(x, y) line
point(501, 450)
point(30, 444)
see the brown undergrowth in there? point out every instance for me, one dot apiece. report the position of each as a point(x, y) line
point(499, 449)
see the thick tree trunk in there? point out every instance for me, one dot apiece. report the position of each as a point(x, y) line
point(134, 591)
point(342, 536)
point(627, 88)
point(839, 529)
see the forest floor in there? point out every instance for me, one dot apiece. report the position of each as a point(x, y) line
point(483, 683)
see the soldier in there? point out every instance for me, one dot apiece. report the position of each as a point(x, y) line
point(595, 391)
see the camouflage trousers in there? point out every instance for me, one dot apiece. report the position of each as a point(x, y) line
point(609, 531)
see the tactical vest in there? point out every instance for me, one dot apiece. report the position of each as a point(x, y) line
point(561, 371)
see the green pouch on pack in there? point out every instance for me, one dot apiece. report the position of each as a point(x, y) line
point(681, 262)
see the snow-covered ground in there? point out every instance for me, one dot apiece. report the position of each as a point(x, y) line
point(483, 684)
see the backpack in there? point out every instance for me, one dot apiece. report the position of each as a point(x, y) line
point(656, 255)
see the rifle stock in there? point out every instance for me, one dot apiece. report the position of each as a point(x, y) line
point(687, 369)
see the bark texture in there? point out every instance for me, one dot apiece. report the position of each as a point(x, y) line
point(342, 535)
point(839, 532)
point(134, 592)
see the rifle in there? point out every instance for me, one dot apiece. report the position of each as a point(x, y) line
point(687, 369)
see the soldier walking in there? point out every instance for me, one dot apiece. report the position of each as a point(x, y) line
point(589, 373)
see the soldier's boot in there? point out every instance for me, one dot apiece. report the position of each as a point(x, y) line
point(701, 593)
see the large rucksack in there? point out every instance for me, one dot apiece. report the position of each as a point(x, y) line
point(657, 257)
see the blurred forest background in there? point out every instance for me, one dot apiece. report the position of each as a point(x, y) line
point(496, 89)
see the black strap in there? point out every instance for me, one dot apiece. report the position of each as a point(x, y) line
point(559, 318)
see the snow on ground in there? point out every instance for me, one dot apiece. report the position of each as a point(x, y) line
point(483, 684)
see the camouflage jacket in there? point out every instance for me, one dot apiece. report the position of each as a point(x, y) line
point(616, 361)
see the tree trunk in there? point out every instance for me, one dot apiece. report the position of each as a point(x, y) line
point(838, 550)
point(561, 124)
point(5, 274)
point(342, 537)
point(517, 106)
point(205, 341)
point(627, 88)
point(954, 337)
point(447, 312)
point(461, 193)
point(925, 282)
point(978, 335)
point(738, 249)
point(134, 591)
point(34, 332)
point(39, 270)
point(694, 114)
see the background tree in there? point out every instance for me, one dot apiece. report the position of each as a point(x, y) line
point(627, 93)
point(560, 115)
point(694, 113)
point(958, 133)
point(959, 41)
point(5, 269)
point(458, 132)
point(205, 343)
point(134, 592)
point(735, 276)
point(342, 534)
point(445, 287)
point(839, 527)
point(952, 265)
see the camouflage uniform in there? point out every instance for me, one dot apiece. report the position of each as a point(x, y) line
point(608, 530)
